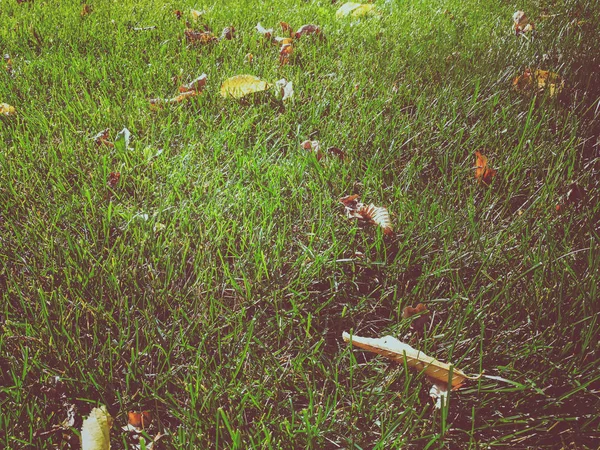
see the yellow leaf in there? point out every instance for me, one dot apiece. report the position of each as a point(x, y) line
point(7, 110)
point(355, 10)
point(241, 85)
point(95, 431)
point(392, 348)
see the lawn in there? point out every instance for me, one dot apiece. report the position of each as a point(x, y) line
point(205, 271)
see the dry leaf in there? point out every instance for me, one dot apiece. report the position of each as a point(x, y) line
point(189, 90)
point(284, 54)
point(286, 28)
point(86, 10)
point(7, 110)
point(374, 214)
point(355, 9)
point(283, 40)
point(8, 62)
point(199, 37)
point(248, 58)
point(539, 80)
point(438, 393)
point(483, 174)
point(242, 85)
point(522, 24)
point(314, 147)
point(95, 431)
point(102, 138)
point(139, 420)
point(337, 152)
point(392, 348)
point(285, 89)
point(267, 33)
point(418, 323)
point(228, 33)
point(113, 179)
point(307, 29)
point(178, 14)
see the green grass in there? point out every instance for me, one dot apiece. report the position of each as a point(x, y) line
point(212, 284)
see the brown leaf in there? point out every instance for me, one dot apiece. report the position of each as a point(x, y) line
point(313, 146)
point(139, 419)
point(350, 201)
point(540, 81)
point(199, 37)
point(113, 179)
point(418, 323)
point(228, 33)
point(189, 90)
point(178, 14)
point(283, 40)
point(86, 10)
point(8, 62)
point(522, 23)
point(376, 215)
point(286, 28)
point(103, 139)
point(284, 54)
point(337, 152)
point(483, 174)
point(307, 29)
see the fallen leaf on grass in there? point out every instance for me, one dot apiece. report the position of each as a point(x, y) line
point(395, 350)
point(314, 147)
point(286, 28)
point(376, 215)
point(337, 152)
point(139, 420)
point(283, 40)
point(7, 110)
point(113, 179)
point(178, 14)
point(418, 323)
point(285, 89)
point(539, 80)
point(122, 140)
point(284, 54)
point(242, 85)
point(9, 67)
point(483, 174)
point(307, 29)
point(248, 58)
point(228, 33)
point(267, 33)
point(102, 138)
point(522, 23)
point(95, 431)
point(196, 14)
point(186, 91)
point(86, 10)
point(199, 37)
point(355, 9)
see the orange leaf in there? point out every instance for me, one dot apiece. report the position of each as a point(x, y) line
point(285, 53)
point(199, 37)
point(482, 172)
point(139, 419)
point(102, 138)
point(313, 146)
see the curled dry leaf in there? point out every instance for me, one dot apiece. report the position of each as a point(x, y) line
point(7, 110)
point(267, 33)
point(189, 90)
point(522, 23)
point(196, 14)
point(199, 37)
point(307, 29)
point(314, 147)
point(102, 138)
point(392, 348)
point(355, 10)
point(539, 80)
point(286, 28)
point(376, 215)
point(248, 58)
point(285, 89)
point(483, 173)
point(9, 67)
point(284, 54)
point(228, 33)
point(178, 14)
point(242, 85)
point(95, 431)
